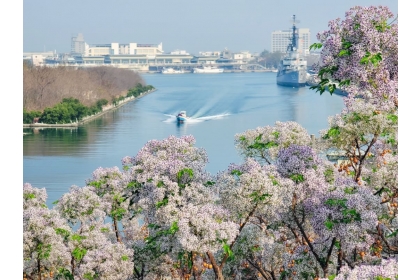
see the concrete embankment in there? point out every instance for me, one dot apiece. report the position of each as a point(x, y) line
point(105, 110)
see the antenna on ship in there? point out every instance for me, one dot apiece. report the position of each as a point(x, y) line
point(293, 44)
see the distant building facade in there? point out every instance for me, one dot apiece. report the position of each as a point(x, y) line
point(37, 58)
point(123, 49)
point(280, 39)
point(179, 52)
point(78, 45)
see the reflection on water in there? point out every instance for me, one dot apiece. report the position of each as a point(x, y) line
point(220, 106)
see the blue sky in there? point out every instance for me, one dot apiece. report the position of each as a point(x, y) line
point(191, 25)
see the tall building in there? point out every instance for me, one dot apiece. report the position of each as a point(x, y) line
point(78, 44)
point(280, 39)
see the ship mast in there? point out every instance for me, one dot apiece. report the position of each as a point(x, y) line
point(293, 41)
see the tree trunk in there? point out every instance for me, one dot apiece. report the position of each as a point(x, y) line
point(39, 269)
point(116, 230)
point(216, 269)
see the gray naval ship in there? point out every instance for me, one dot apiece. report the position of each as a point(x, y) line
point(292, 69)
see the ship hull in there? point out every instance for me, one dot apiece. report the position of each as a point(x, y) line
point(207, 71)
point(292, 78)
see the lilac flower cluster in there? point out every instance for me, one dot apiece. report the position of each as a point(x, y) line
point(364, 49)
point(297, 159)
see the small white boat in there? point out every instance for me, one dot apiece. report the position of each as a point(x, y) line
point(172, 71)
point(207, 69)
point(182, 116)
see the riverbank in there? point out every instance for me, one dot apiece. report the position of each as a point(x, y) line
point(105, 110)
point(225, 71)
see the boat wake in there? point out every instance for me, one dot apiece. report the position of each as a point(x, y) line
point(194, 119)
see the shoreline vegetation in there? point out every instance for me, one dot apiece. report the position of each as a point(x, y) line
point(105, 109)
point(69, 97)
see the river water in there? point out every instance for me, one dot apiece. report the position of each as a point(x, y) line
point(221, 105)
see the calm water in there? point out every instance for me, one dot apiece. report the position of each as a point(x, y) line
point(221, 104)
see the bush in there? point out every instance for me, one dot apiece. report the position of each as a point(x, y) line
point(69, 110)
point(28, 117)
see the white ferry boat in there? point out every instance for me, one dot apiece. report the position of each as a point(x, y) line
point(172, 71)
point(207, 69)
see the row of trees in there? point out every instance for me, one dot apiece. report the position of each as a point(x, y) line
point(45, 87)
point(284, 213)
point(72, 110)
point(273, 59)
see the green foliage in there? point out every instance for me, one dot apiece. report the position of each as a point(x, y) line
point(258, 145)
point(392, 118)
point(118, 213)
point(29, 196)
point(209, 183)
point(315, 46)
point(236, 172)
point(382, 26)
point(64, 273)
point(345, 51)
point(228, 251)
point(332, 132)
point(77, 237)
point(297, 178)
point(138, 90)
point(79, 253)
point(336, 202)
point(64, 233)
point(372, 58)
point(350, 215)
point(329, 224)
point(90, 276)
point(382, 278)
point(174, 228)
point(329, 176)
point(186, 171)
point(256, 197)
point(28, 117)
point(350, 190)
point(67, 111)
point(394, 233)
point(124, 258)
point(162, 203)
point(43, 250)
point(100, 103)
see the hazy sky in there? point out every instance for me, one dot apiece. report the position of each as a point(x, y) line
point(191, 25)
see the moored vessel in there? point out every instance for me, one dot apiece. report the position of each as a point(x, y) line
point(292, 69)
point(172, 71)
point(207, 69)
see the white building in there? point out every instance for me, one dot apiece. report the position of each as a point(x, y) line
point(216, 53)
point(280, 39)
point(123, 49)
point(37, 58)
point(183, 52)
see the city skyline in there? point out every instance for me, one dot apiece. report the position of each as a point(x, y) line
point(189, 25)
